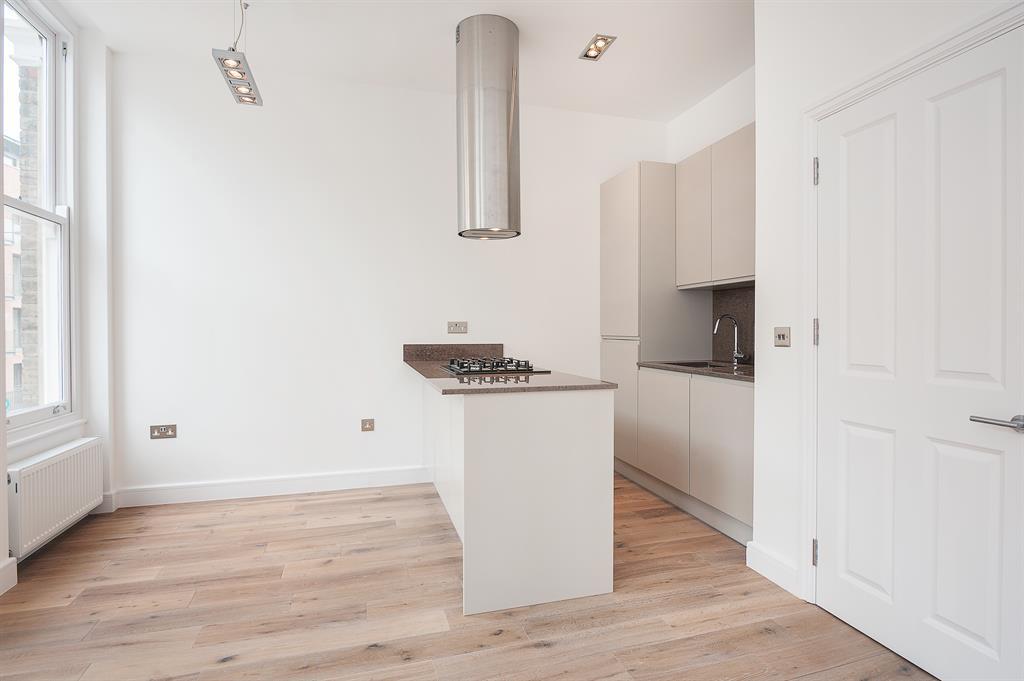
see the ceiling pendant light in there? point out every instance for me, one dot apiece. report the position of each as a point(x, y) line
point(233, 65)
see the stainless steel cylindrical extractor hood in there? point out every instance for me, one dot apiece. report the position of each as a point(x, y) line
point(487, 84)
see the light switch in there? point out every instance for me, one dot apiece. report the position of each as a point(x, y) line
point(782, 337)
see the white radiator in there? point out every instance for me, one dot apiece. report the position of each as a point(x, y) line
point(50, 492)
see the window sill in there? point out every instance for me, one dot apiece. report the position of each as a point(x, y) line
point(21, 436)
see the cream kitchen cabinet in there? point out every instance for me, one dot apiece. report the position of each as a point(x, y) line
point(643, 315)
point(663, 426)
point(722, 445)
point(732, 207)
point(618, 365)
point(620, 255)
point(693, 219)
point(715, 213)
point(639, 299)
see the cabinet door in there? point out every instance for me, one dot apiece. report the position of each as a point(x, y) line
point(693, 219)
point(663, 426)
point(620, 254)
point(722, 445)
point(618, 364)
point(732, 206)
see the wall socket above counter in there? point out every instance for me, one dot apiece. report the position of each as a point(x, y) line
point(458, 327)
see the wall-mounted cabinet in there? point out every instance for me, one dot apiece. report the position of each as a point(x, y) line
point(715, 213)
point(693, 219)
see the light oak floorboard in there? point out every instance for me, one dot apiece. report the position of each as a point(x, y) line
point(366, 585)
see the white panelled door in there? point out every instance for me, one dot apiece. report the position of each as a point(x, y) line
point(921, 300)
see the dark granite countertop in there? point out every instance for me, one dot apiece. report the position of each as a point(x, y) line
point(427, 360)
point(745, 372)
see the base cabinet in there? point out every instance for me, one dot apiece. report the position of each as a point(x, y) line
point(663, 426)
point(722, 445)
point(552, 543)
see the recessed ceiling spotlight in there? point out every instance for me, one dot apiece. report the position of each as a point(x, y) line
point(234, 67)
point(597, 47)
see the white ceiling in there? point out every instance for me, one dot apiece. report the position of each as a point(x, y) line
point(669, 54)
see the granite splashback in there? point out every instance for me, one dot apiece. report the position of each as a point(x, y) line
point(421, 352)
point(739, 302)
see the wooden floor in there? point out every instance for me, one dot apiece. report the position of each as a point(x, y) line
point(365, 584)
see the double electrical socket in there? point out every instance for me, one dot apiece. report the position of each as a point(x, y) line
point(164, 432)
point(458, 327)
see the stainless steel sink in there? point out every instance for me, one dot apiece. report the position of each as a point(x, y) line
point(717, 367)
point(702, 365)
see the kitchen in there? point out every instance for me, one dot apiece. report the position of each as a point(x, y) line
point(512, 340)
point(677, 256)
point(655, 311)
point(673, 239)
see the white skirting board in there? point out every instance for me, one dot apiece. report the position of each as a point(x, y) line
point(108, 505)
point(215, 490)
point(723, 522)
point(8, 573)
point(766, 563)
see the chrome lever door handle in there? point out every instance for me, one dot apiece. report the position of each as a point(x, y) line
point(1017, 422)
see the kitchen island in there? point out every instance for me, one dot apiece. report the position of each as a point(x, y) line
point(524, 466)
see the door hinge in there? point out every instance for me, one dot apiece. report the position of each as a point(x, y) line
point(816, 327)
point(814, 552)
point(815, 164)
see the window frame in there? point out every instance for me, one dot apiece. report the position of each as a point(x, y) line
point(58, 163)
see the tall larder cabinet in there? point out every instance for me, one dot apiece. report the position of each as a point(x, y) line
point(644, 317)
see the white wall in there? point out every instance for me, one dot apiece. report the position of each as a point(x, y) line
point(805, 52)
point(93, 241)
point(721, 113)
point(268, 265)
point(8, 573)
